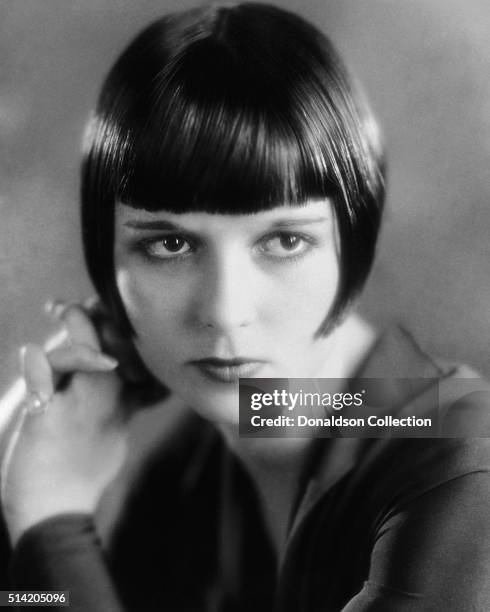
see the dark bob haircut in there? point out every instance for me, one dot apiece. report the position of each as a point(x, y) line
point(232, 109)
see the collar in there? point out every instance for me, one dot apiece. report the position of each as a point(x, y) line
point(396, 357)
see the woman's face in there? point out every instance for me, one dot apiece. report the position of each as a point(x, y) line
point(216, 297)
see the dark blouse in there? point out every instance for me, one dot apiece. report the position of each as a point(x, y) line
point(395, 525)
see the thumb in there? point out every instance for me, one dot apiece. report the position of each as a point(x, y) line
point(36, 370)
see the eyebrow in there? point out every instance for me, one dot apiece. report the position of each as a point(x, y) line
point(295, 222)
point(161, 224)
point(154, 225)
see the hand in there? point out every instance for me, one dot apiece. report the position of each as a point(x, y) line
point(61, 460)
point(140, 388)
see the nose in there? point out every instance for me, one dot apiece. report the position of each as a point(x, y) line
point(227, 297)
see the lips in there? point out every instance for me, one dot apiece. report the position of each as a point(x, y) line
point(227, 370)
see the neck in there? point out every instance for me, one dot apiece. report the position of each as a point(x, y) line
point(275, 464)
point(347, 347)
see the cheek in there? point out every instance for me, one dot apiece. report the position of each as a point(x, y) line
point(154, 308)
point(305, 298)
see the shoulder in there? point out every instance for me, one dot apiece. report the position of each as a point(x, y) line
point(396, 472)
point(401, 469)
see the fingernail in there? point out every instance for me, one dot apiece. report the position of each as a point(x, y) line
point(107, 362)
point(49, 307)
point(54, 308)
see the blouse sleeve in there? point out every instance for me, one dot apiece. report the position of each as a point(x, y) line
point(64, 553)
point(434, 553)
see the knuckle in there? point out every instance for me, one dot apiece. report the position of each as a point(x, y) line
point(73, 315)
point(54, 307)
point(80, 326)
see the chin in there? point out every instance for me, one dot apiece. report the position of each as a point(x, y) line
point(216, 407)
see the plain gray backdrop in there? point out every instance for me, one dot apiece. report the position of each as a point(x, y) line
point(426, 67)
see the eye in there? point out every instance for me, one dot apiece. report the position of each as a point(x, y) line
point(168, 247)
point(284, 245)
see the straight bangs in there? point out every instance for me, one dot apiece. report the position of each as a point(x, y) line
point(219, 158)
point(204, 128)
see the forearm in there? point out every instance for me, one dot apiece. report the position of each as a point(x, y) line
point(64, 553)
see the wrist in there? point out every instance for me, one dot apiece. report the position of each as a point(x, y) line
point(21, 520)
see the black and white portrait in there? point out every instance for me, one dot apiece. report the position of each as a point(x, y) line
point(200, 197)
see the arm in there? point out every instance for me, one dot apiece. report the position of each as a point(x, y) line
point(64, 553)
point(434, 553)
point(58, 462)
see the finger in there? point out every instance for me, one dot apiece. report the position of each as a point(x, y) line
point(76, 318)
point(80, 357)
point(91, 303)
point(111, 339)
point(79, 326)
point(36, 370)
point(54, 307)
point(58, 339)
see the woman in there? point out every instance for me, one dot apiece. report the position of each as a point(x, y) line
point(232, 189)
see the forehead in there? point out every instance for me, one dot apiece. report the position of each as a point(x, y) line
point(318, 211)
